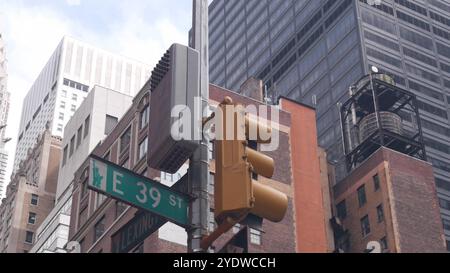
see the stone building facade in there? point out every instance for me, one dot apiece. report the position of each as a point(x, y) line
point(30, 196)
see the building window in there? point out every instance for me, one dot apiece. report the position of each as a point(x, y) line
point(362, 196)
point(73, 108)
point(376, 182)
point(365, 226)
point(100, 199)
point(84, 189)
point(143, 148)
point(64, 94)
point(34, 199)
point(446, 224)
point(145, 114)
point(87, 124)
point(255, 236)
point(380, 213)
point(61, 116)
point(79, 136)
point(342, 210)
point(76, 85)
point(120, 208)
point(72, 146)
point(31, 218)
point(63, 105)
point(110, 123)
point(74, 97)
point(59, 127)
point(29, 237)
point(82, 218)
point(384, 244)
point(444, 204)
point(64, 156)
point(125, 140)
point(99, 229)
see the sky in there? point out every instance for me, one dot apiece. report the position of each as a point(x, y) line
point(32, 29)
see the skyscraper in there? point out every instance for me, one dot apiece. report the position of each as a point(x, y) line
point(312, 51)
point(4, 108)
point(73, 69)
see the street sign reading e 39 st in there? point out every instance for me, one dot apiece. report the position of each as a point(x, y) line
point(138, 191)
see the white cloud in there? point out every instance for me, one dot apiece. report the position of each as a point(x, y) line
point(73, 2)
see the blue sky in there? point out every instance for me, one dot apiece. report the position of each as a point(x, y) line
point(140, 29)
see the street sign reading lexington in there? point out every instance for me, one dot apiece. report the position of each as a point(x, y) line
point(142, 192)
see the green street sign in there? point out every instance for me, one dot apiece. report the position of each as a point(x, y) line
point(138, 191)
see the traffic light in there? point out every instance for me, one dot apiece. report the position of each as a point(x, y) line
point(235, 192)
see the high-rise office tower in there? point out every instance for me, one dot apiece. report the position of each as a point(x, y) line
point(4, 108)
point(312, 51)
point(73, 69)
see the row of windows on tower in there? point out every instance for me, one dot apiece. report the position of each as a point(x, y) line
point(76, 85)
point(32, 219)
point(413, 20)
point(70, 148)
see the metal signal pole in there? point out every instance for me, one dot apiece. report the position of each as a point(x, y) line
point(199, 163)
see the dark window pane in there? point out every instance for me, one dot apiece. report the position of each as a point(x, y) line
point(32, 218)
point(342, 210)
point(380, 213)
point(384, 244)
point(29, 237)
point(365, 226)
point(362, 196)
point(125, 140)
point(110, 123)
point(34, 199)
point(376, 182)
point(87, 124)
point(446, 224)
point(144, 117)
point(99, 229)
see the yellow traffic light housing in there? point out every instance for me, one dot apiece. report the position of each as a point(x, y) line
point(235, 193)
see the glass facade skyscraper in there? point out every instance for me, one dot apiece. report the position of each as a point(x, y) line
point(312, 51)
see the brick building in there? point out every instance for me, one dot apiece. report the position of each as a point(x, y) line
point(390, 198)
point(30, 195)
point(95, 219)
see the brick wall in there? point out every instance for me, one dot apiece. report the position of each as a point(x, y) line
point(408, 196)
